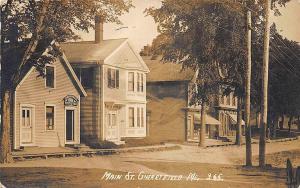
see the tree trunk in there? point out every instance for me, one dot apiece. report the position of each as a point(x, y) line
point(290, 124)
point(238, 135)
point(298, 123)
point(282, 122)
point(265, 73)
point(5, 142)
point(275, 126)
point(203, 126)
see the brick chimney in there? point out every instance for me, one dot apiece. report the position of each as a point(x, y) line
point(98, 29)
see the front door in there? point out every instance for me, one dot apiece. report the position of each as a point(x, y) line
point(69, 126)
point(26, 126)
point(112, 126)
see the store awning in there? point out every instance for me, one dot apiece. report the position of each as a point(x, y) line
point(209, 120)
point(233, 119)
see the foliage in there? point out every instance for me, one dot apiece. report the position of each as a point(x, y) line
point(207, 36)
point(284, 76)
point(20, 26)
point(28, 27)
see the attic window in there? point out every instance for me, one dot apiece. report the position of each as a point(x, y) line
point(50, 76)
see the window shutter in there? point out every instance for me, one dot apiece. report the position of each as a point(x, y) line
point(109, 77)
point(117, 78)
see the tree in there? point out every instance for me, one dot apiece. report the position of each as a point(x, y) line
point(201, 34)
point(206, 36)
point(284, 78)
point(28, 28)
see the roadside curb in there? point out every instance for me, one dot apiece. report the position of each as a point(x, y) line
point(90, 153)
point(255, 142)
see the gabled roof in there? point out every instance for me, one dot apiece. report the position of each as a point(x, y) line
point(89, 51)
point(69, 70)
point(160, 71)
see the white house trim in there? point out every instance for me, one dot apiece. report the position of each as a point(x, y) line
point(45, 117)
point(33, 124)
point(139, 57)
point(74, 125)
point(45, 79)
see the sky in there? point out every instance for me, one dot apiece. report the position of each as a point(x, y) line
point(142, 29)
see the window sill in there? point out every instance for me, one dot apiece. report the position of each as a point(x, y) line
point(46, 131)
point(50, 88)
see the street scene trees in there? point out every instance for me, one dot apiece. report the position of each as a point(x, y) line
point(27, 30)
point(218, 89)
point(211, 35)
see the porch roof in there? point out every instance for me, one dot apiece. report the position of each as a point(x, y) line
point(209, 119)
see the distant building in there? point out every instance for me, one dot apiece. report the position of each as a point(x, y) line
point(114, 77)
point(46, 111)
point(226, 113)
point(170, 115)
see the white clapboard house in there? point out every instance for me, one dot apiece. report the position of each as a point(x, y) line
point(114, 77)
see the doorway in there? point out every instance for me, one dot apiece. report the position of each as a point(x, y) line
point(70, 125)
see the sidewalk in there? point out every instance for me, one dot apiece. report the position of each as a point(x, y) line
point(219, 143)
point(61, 152)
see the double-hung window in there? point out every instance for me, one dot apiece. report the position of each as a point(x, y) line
point(131, 81)
point(140, 117)
point(131, 116)
point(113, 78)
point(50, 117)
point(140, 82)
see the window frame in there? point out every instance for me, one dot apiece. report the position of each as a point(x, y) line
point(113, 73)
point(54, 76)
point(131, 82)
point(54, 117)
point(142, 117)
point(138, 117)
point(140, 82)
point(133, 117)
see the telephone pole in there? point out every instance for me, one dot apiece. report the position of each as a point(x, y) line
point(265, 73)
point(247, 100)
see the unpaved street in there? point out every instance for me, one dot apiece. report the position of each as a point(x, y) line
point(87, 171)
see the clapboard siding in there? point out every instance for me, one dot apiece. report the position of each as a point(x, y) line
point(90, 111)
point(32, 91)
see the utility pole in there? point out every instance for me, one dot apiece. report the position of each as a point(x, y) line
point(265, 73)
point(247, 100)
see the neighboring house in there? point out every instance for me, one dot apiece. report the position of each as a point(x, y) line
point(170, 115)
point(226, 113)
point(46, 111)
point(114, 77)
